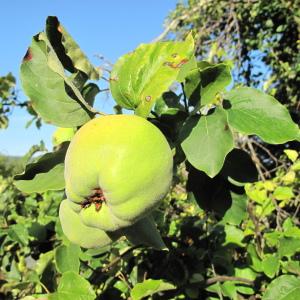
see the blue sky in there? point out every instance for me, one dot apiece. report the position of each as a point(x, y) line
point(111, 28)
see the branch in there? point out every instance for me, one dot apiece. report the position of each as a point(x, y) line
point(258, 235)
point(224, 278)
point(173, 24)
point(117, 259)
point(254, 157)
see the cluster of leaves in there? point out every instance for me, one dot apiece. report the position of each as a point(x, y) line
point(7, 98)
point(249, 248)
point(260, 37)
point(205, 232)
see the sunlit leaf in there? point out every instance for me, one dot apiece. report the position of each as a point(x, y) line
point(206, 141)
point(140, 77)
point(251, 111)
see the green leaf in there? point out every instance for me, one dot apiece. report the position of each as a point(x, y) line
point(145, 232)
point(150, 287)
point(203, 84)
point(270, 265)
point(19, 233)
point(73, 287)
point(168, 104)
point(52, 95)
point(291, 266)
point(246, 273)
point(283, 193)
point(284, 287)
point(257, 192)
point(186, 68)
point(291, 154)
point(67, 258)
point(206, 141)
point(45, 174)
point(64, 44)
point(238, 210)
point(139, 78)
point(288, 246)
point(89, 92)
point(44, 260)
point(234, 235)
point(255, 262)
point(253, 112)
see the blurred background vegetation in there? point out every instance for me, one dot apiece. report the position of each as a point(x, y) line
point(246, 249)
point(261, 39)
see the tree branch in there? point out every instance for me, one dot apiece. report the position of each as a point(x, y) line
point(223, 278)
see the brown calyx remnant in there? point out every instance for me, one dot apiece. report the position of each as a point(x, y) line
point(97, 198)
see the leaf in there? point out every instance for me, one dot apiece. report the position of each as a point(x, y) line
point(203, 84)
point(239, 166)
point(45, 174)
point(291, 266)
point(145, 232)
point(150, 287)
point(254, 112)
point(246, 273)
point(206, 141)
point(37, 231)
point(255, 262)
point(270, 265)
point(284, 287)
point(168, 104)
point(73, 287)
point(257, 192)
point(44, 260)
point(67, 258)
point(234, 235)
point(288, 246)
point(283, 193)
point(211, 194)
point(19, 234)
point(139, 78)
point(64, 45)
point(186, 68)
point(238, 210)
point(49, 93)
point(89, 92)
point(291, 154)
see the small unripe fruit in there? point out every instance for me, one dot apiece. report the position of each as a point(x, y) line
point(61, 135)
point(117, 169)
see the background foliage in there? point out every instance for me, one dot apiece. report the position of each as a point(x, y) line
point(260, 38)
point(229, 235)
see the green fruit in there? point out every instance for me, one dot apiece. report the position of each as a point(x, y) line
point(117, 169)
point(80, 234)
point(61, 135)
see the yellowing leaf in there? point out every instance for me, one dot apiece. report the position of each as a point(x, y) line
point(291, 154)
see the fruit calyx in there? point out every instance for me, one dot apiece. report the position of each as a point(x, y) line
point(97, 197)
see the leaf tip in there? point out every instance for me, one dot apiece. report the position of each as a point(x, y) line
point(28, 55)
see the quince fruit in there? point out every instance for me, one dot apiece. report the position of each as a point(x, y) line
point(80, 234)
point(117, 169)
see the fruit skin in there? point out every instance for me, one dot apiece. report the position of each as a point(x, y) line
point(80, 234)
point(129, 159)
